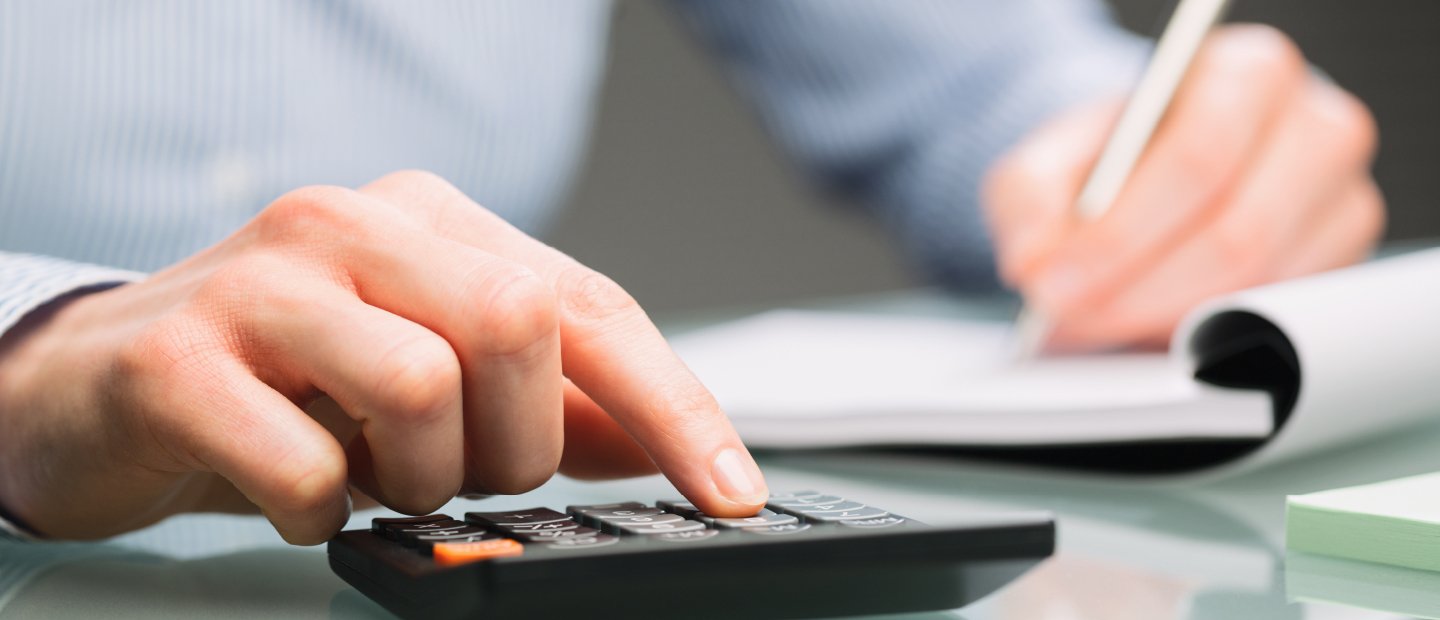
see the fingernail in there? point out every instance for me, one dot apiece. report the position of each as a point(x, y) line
point(1059, 286)
point(738, 478)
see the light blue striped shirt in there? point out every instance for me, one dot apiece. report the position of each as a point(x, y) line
point(135, 133)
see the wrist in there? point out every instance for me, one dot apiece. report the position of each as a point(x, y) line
point(24, 350)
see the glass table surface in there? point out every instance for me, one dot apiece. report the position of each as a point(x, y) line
point(1139, 547)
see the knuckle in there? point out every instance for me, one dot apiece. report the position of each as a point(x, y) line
point(591, 297)
point(415, 179)
point(517, 311)
point(420, 378)
point(160, 350)
point(1348, 122)
point(315, 209)
point(1259, 52)
point(1011, 181)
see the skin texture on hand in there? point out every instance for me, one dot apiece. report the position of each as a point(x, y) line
point(1259, 172)
point(398, 340)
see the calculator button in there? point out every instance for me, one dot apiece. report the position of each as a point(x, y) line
point(778, 530)
point(846, 515)
point(791, 495)
point(599, 540)
point(380, 525)
point(876, 523)
point(438, 527)
point(661, 528)
point(515, 517)
point(455, 554)
point(645, 520)
point(525, 528)
point(686, 536)
point(585, 509)
point(766, 518)
point(425, 542)
point(680, 507)
point(831, 507)
point(621, 512)
point(806, 500)
point(553, 535)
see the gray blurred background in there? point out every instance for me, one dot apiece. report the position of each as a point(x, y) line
point(687, 203)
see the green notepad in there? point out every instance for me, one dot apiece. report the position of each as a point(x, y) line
point(1395, 522)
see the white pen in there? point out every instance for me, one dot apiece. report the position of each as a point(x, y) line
point(1174, 52)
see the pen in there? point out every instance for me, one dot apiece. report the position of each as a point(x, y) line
point(1174, 52)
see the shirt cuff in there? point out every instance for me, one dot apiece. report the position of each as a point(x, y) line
point(28, 281)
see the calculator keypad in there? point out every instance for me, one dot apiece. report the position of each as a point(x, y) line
point(487, 535)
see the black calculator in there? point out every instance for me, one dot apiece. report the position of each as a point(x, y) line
point(806, 555)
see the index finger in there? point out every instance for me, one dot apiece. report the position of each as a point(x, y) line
point(610, 350)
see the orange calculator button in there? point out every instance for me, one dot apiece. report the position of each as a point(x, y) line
point(455, 554)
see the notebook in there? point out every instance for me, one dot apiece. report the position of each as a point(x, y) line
point(1396, 522)
point(1295, 367)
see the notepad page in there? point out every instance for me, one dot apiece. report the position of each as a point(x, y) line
point(799, 363)
point(817, 378)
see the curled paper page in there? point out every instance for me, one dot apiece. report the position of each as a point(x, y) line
point(1366, 341)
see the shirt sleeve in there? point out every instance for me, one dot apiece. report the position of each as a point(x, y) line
point(28, 281)
point(905, 103)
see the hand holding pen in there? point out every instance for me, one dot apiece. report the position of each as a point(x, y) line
point(1257, 170)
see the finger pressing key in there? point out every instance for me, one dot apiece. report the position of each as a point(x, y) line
point(612, 352)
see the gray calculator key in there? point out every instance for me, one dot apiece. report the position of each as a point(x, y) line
point(622, 513)
point(791, 495)
point(760, 520)
point(642, 520)
point(806, 500)
point(876, 523)
point(586, 508)
point(686, 536)
point(831, 507)
point(661, 528)
point(847, 515)
point(680, 507)
point(598, 540)
point(778, 530)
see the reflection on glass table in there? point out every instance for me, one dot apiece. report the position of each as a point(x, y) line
point(1363, 585)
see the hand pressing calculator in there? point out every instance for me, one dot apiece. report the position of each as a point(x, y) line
point(806, 555)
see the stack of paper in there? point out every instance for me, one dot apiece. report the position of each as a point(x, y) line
point(1395, 522)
